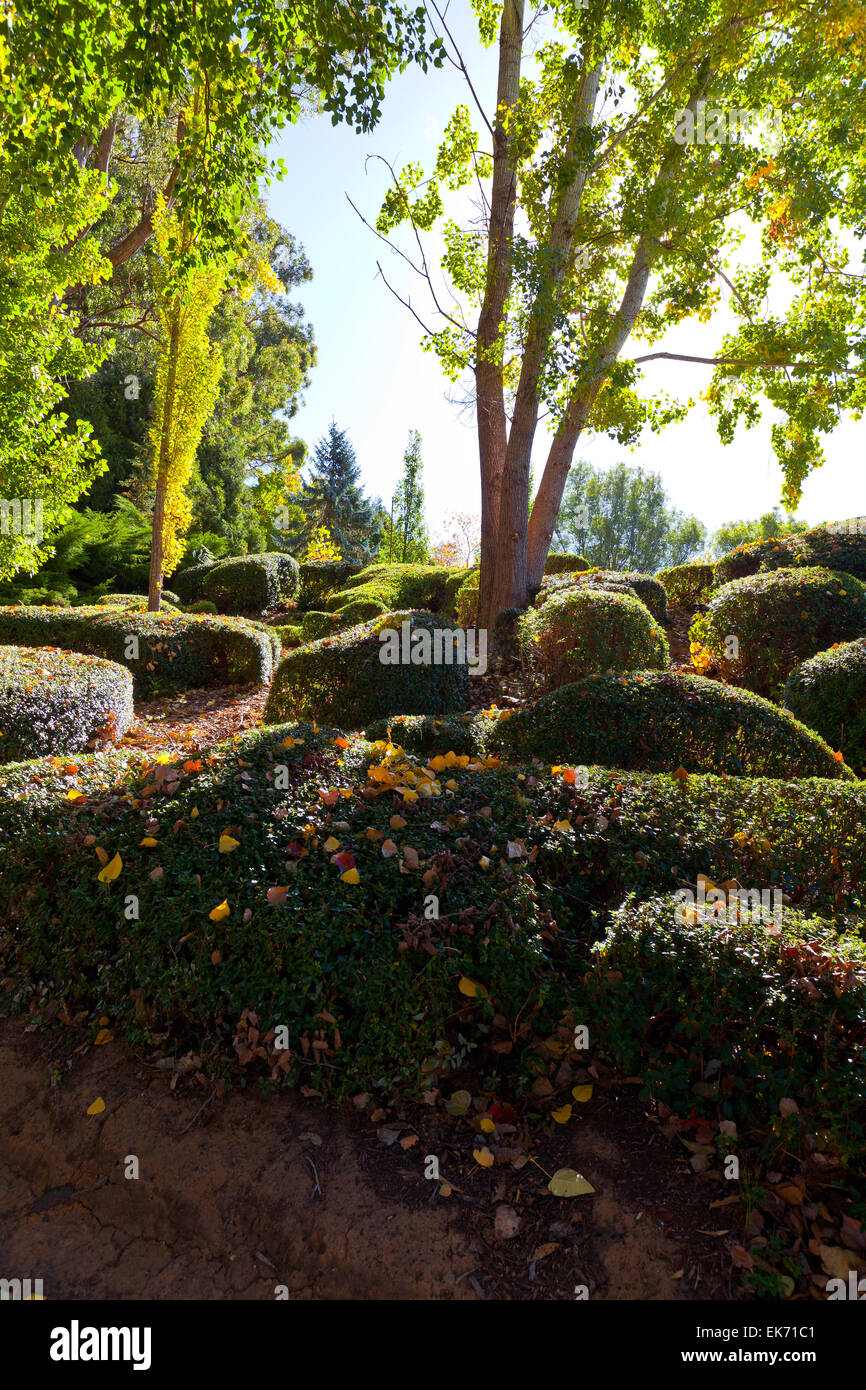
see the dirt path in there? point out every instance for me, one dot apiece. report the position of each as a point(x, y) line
point(226, 1202)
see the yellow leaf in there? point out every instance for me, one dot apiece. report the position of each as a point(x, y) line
point(74, 795)
point(222, 910)
point(351, 876)
point(228, 844)
point(104, 1036)
point(484, 1157)
point(472, 988)
point(397, 822)
point(487, 1125)
point(193, 813)
point(562, 825)
point(562, 1114)
point(582, 1092)
point(97, 1107)
point(567, 1183)
point(148, 842)
point(109, 873)
point(331, 844)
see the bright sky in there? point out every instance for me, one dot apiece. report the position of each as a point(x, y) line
point(374, 379)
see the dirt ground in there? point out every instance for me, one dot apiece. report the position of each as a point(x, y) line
point(244, 1194)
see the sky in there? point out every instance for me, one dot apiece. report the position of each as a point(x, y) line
point(373, 378)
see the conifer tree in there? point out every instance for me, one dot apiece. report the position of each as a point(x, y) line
point(405, 540)
point(333, 498)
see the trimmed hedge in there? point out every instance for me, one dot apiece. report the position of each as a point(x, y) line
point(779, 619)
point(689, 584)
point(655, 722)
point(169, 602)
point(828, 692)
point(201, 605)
point(187, 583)
point(565, 564)
point(466, 601)
point(524, 925)
point(175, 651)
point(649, 590)
point(579, 632)
point(316, 625)
point(319, 579)
point(672, 995)
point(343, 677)
point(59, 702)
point(821, 547)
point(432, 588)
point(252, 583)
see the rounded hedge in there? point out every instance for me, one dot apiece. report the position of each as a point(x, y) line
point(431, 588)
point(251, 583)
point(673, 991)
point(824, 547)
point(778, 619)
point(579, 632)
point(187, 583)
point(60, 702)
point(319, 579)
point(201, 605)
point(565, 564)
point(649, 590)
point(343, 678)
point(657, 722)
point(169, 601)
point(174, 651)
point(688, 584)
point(828, 693)
point(780, 552)
point(315, 625)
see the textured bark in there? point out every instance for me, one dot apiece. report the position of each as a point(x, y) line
point(489, 389)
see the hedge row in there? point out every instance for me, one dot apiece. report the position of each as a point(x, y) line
point(387, 588)
point(644, 721)
point(59, 702)
point(564, 564)
point(821, 547)
point(174, 651)
point(243, 583)
point(649, 590)
point(313, 912)
point(777, 620)
point(169, 601)
point(344, 678)
point(828, 693)
point(319, 579)
point(688, 584)
point(578, 632)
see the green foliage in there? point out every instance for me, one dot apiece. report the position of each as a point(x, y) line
point(251, 583)
point(318, 580)
point(621, 519)
point(580, 632)
point(779, 619)
point(828, 692)
point(175, 651)
point(170, 600)
point(201, 605)
point(59, 702)
point(405, 540)
point(772, 524)
point(654, 721)
point(650, 591)
point(688, 584)
point(315, 625)
point(343, 677)
point(560, 562)
point(402, 586)
point(466, 599)
point(332, 498)
point(671, 996)
point(188, 582)
point(94, 552)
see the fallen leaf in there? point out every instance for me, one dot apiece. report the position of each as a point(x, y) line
point(567, 1183)
point(97, 1107)
point(484, 1157)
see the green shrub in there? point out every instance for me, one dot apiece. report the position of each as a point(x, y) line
point(524, 927)
point(175, 651)
point(650, 592)
point(837, 550)
point(319, 580)
point(466, 601)
point(188, 582)
point(201, 605)
point(689, 584)
point(778, 619)
point(431, 588)
point(342, 678)
point(290, 634)
point(662, 721)
point(780, 1016)
point(360, 610)
point(579, 632)
point(828, 693)
point(565, 564)
point(782, 552)
point(59, 702)
point(137, 601)
point(47, 598)
point(252, 583)
point(315, 625)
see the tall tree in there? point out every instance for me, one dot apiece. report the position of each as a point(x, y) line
point(405, 540)
point(612, 183)
point(332, 497)
point(621, 519)
point(771, 524)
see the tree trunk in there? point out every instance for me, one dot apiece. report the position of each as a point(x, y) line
point(154, 591)
point(489, 386)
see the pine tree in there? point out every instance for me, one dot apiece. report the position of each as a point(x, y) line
point(405, 541)
point(332, 498)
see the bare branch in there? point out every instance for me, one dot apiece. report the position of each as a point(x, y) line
point(459, 63)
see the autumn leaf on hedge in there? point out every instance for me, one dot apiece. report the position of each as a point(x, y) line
point(342, 742)
point(148, 842)
point(471, 988)
point(561, 1115)
point(331, 844)
point(388, 849)
point(397, 822)
point(74, 795)
point(221, 910)
point(228, 844)
point(277, 896)
point(351, 876)
point(680, 775)
point(344, 861)
point(329, 797)
point(487, 1124)
point(562, 825)
point(109, 872)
